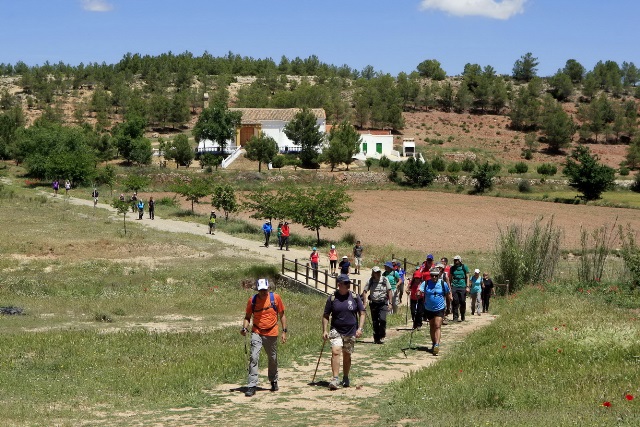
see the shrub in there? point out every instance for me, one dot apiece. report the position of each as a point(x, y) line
point(484, 176)
point(623, 171)
point(349, 238)
point(636, 183)
point(524, 186)
point(168, 201)
point(595, 247)
point(547, 169)
point(439, 164)
point(631, 254)
point(527, 154)
point(527, 256)
point(453, 167)
point(468, 165)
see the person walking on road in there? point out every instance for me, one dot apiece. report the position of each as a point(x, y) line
point(488, 290)
point(152, 208)
point(333, 259)
point(265, 308)
point(67, 187)
point(347, 314)
point(140, 209)
point(357, 257)
point(344, 265)
point(279, 234)
point(394, 279)
point(475, 285)
point(436, 292)
point(94, 194)
point(285, 236)
point(380, 296)
point(212, 222)
point(416, 299)
point(56, 186)
point(459, 280)
point(266, 229)
point(314, 259)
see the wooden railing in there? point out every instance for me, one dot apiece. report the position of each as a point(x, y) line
point(320, 280)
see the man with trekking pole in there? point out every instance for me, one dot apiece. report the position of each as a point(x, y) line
point(378, 292)
point(346, 310)
point(265, 307)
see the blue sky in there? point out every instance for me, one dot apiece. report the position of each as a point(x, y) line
point(390, 35)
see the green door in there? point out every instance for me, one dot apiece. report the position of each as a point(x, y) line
point(379, 147)
point(364, 147)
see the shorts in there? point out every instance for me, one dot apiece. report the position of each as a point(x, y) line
point(347, 342)
point(428, 314)
point(357, 261)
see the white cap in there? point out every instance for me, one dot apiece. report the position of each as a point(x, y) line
point(333, 246)
point(477, 270)
point(262, 284)
point(345, 257)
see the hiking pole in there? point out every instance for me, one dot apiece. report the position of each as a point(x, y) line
point(313, 381)
point(406, 313)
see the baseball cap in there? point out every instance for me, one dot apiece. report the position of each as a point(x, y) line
point(376, 269)
point(430, 256)
point(345, 257)
point(333, 246)
point(439, 265)
point(266, 222)
point(477, 270)
point(343, 278)
point(434, 272)
point(314, 248)
point(457, 257)
point(262, 284)
point(388, 264)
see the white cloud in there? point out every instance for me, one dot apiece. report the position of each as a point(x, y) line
point(96, 5)
point(504, 9)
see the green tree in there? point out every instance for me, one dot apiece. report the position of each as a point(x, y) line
point(345, 136)
point(180, 150)
point(217, 124)
point(556, 125)
point(384, 162)
point(431, 69)
point(525, 110)
point(262, 149)
point(590, 86)
point(418, 173)
point(334, 154)
point(280, 161)
point(224, 198)
point(630, 74)
point(210, 160)
point(135, 182)
point(123, 208)
point(446, 96)
point(632, 158)
point(524, 69)
point(267, 204)
point(107, 176)
point(587, 175)
point(10, 122)
point(141, 151)
point(304, 131)
point(319, 207)
point(483, 177)
point(574, 70)
point(125, 133)
point(192, 191)
point(561, 86)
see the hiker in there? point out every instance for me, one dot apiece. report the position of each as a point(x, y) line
point(394, 278)
point(134, 201)
point(212, 222)
point(379, 302)
point(94, 194)
point(152, 208)
point(400, 288)
point(444, 262)
point(416, 299)
point(266, 229)
point(426, 266)
point(475, 285)
point(122, 197)
point(357, 257)
point(285, 236)
point(435, 291)
point(314, 259)
point(67, 187)
point(459, 273)
point(265, 307)
point(333, 259)
point(344, 265)
point(140, 209)
point(56, 186)
point(488, 289)
point(279, 234)
point(347, 322)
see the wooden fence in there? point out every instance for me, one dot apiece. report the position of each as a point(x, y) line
point(317, 279)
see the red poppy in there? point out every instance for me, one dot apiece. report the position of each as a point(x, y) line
point(629, 397)
point(555, 329)
point(559, 350)
point(504, 346)
point(606, 404)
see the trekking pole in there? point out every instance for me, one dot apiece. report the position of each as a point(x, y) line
point(406, 313)
point(313, 381)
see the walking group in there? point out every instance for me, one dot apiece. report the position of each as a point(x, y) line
point(138, 205)
point(435, 290)
point(282, 233)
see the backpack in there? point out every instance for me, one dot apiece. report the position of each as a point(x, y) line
point(273, 303)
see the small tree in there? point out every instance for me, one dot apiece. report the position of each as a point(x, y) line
point(224, 198)
point(123, 208)
point(484, 176)
point(135, 182)
point(431, 69)
point(291, 161)
point(587, 175)
point(384, 162)
point(180, 150)
point(262, 149)
point(192, 191)
point(210, 160)
point(418, 173)
point(304, 130)
point(266, 204)
point(279, 161)
point(524, 68)
point(218, 124)
point(107, 176)
point(368, 163)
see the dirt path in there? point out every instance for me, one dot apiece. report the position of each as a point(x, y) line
point(299, 402)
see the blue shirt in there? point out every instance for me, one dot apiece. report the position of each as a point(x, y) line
point(266, 228)
point(434, 294)
point(344, 311)
point(476, 283)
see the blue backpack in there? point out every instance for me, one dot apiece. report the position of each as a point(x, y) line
point(273, 303)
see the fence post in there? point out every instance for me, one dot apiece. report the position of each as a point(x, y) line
point(326, 280)
point(404, 266)
point(307, 275)
point(507, 287)
point(282, 263)
point(295, 267)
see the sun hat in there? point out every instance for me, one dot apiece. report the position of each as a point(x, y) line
point(439, 265)
point(333, 246)
point(345, 257)
point(434, 272)
point(343, 278)
point(430, 256)
point(477, 270)
point(388, 264)
point(457, 257)
point(375, 269)
point(262, 284)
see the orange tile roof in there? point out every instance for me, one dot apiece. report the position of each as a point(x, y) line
point(258, 115)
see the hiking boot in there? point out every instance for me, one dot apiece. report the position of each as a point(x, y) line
point(436, 350)
point(334, 384)
point(345, 382)
point(462, 318)
point(250, 391)
point(274, 386)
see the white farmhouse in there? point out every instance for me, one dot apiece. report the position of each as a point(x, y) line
point(270, 121)
point(375, 144)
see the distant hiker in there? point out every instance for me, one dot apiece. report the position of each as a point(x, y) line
point(152, 208)
point(436, 292)
point(140, 209)
point(488, 289)
point(212, 222)
point(426, 266)
point(333, 260)
point(266, 229)
point(444, 262)
point(459, 278)
point(279, 235)
point(265, 307)
point(95, 194)
point(400, 288)
point(67, 187)
point(122, 197)
point(357, 257)
point(379, 301)
point(56, 186)
point(344, 265)
point(134, 202)
point(475, 285)
point(394, 278)
point(285, 236)
point(347, 314)
point(314, 259)
point(416, 299)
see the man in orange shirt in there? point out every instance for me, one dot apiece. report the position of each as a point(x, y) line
point(265, 307)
